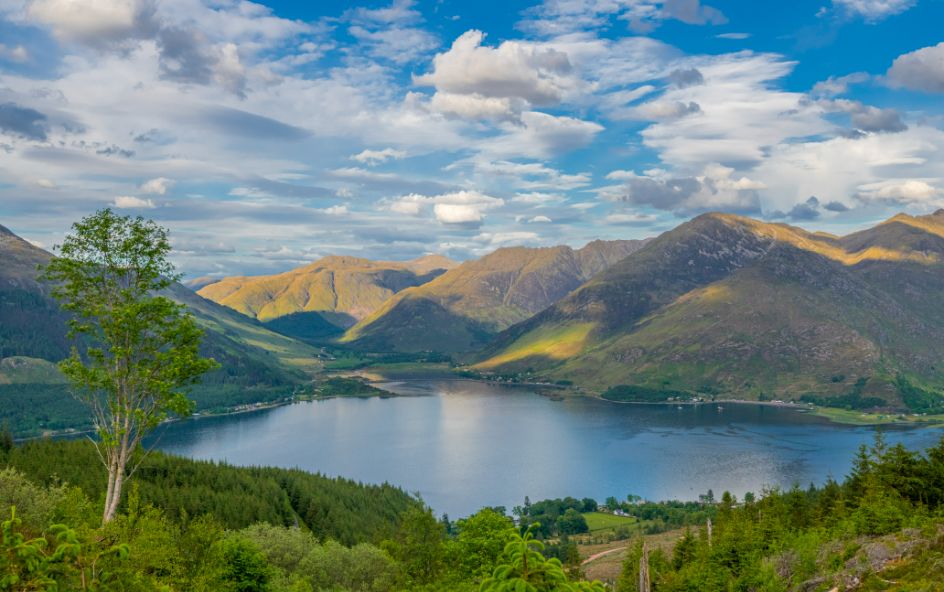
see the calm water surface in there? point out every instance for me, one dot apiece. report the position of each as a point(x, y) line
point(463, 445)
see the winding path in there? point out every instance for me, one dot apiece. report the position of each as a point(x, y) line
point(596, 556)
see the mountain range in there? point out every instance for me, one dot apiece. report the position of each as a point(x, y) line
point(727, 304)
point(325, 297)
point(461, 310)
point(722, 304)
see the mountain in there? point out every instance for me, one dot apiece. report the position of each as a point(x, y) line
point(324, 297)
point(727, 304)
point(463, 308)
point(33, 329)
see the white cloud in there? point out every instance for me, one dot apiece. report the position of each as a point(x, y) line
point(514, 74)
point(95, 21)
point(904, 192)
point(874, 10)
point(374, 157)
point(46, 184)
point(132, 202)
point(922, 69)
point(337, 210)
point(458, 207)
point(15, 53)
point(539, 219)
point(734, 36)
point(157, 186)
point(740, 114)
point(476, 106)
point(457, 213)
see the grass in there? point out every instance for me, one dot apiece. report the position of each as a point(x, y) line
point(597, 521)
point(549, 343)
point(853, 417)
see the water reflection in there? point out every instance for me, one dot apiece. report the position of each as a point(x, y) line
point(463, 444)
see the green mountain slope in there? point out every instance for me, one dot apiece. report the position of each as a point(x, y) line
point(462, 309)
point(322, 299)
point(33, 326)
point(725, 304)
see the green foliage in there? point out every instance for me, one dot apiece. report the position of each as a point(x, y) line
point(815, 538)
point(237, 497)
point(918, 399)
point(244, 567)
point(56, 560)
point(480, 540)
point(851, 400)
point(642, 394)
point(525, 569)
point(338, 386)
point(418, 545)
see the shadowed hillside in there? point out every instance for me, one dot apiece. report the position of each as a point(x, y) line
point(33, 337)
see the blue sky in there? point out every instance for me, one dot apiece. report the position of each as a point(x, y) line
point(267, 135)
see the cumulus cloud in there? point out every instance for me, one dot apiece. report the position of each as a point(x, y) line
point(686, 77)
point(132, 202)
point(802, 212)
point(922, 70)
point(458, 207)
point(375, 157)
point(903, 192)
point(96, 22)
point(514, 74)
point(46, 184)
point(157, 186)
point(716, 188)
point(873, 10)
point(866, 118)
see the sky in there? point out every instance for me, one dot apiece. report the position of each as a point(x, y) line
point(266, 135)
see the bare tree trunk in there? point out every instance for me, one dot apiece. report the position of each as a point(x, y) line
point(644, 583)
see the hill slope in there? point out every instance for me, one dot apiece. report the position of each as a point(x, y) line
point(325, 297)
point(729, 304)
point(33, 326)
point(462, 309)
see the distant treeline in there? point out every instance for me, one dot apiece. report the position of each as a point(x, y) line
point(642, 394)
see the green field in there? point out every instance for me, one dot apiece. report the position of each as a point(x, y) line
point(597, 521)
point(854, 417)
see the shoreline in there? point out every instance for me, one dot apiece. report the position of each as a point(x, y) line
point(832, 415)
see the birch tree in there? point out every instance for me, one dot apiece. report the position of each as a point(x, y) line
point(136, 349)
